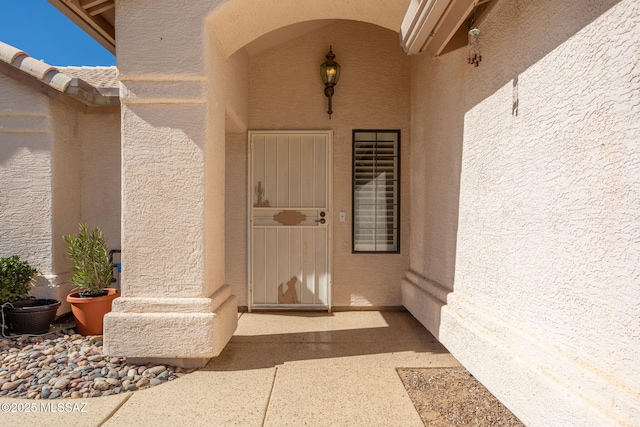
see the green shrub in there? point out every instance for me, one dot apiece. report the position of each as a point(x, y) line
point(89, 256)
point(15, 279)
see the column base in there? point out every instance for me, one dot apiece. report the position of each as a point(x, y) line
point(183, 332)
point(424, 299)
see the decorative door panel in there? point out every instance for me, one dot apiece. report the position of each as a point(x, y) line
point(289, 189)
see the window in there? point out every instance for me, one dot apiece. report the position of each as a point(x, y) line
point(376, 191)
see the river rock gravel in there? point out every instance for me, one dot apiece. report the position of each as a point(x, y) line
point(451, 397)
point(64, 364)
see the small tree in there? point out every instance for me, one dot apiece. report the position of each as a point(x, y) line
point(92, 269)
point(15, 279)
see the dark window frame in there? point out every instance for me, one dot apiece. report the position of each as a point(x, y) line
point(353, 190)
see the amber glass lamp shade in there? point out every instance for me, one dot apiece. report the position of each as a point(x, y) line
point(330, 74)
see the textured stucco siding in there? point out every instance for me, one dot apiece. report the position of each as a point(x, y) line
point(373, 93)
point(25, 175)
point(539, 255)
point(57, 167)
point(163, 199)
point(174, 42)
point(85, 178)
point(235, 82)
point(237, 23)
point(66, 180)
point(236, 215)
point(173, 150)
point(153, 38)
point(100, 188)
point(173, 138)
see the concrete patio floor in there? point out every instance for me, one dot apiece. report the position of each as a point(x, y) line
point(280, 369)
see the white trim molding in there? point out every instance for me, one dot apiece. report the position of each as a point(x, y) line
point(429, 25)
point(419, 22)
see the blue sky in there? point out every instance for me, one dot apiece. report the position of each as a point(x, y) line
point(39, 29)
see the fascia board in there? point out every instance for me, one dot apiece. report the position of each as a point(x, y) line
point(421, 18)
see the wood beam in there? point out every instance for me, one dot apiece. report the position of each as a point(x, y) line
point(96, 10)
point(87, 4)
point(96, 26)
point(106, 29)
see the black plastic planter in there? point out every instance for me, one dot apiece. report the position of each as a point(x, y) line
point(32, 316)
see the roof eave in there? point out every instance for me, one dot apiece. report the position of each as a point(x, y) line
point(430, 25)
point(73, 96)
point(96, 26)
point(89, 95)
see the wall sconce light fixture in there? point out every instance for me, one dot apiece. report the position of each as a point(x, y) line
point(330, 73)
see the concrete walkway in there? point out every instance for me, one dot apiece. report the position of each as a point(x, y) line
point(280, 369)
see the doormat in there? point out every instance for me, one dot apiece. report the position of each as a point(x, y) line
point(446, 397)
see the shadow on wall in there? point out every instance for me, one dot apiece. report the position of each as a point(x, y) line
point(516, 35)
point(33, 144)
point(536, 28)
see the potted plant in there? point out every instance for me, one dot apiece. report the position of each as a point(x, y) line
point(20, 311)
point(92, 274)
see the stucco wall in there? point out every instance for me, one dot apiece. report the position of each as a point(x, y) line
point(237, 23)
point(538, 261)
point(235, 84)
point(236, 215)
point(100, 188)
point(66, 179)
point(373, 93)
point(52, 160)
point(25, 173)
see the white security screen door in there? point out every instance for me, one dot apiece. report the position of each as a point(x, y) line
point(289, 219)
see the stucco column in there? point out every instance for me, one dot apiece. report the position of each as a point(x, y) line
point(169, 309)
point(174, 307)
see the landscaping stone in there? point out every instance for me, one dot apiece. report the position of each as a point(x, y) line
point(10, 385)
point(46, 392)
point(65, 364)
point(61, 383)
point(156, 370)
point(101, 385)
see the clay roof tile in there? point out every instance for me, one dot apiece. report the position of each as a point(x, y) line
point(98, 81)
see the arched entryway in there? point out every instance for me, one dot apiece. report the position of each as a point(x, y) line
point(279, 76)
point(190, 91)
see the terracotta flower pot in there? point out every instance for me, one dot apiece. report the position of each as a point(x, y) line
point(89, 312)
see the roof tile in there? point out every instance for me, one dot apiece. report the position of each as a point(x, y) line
point(98, 77)
point(34, 67)
point(60, 82)
point(9, 53)
point(97, 85)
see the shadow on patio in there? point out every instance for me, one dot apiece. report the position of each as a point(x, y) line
point(392, 339)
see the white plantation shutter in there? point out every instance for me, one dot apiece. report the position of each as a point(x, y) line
point(376, 188)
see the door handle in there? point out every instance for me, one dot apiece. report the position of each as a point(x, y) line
point(321, 220)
